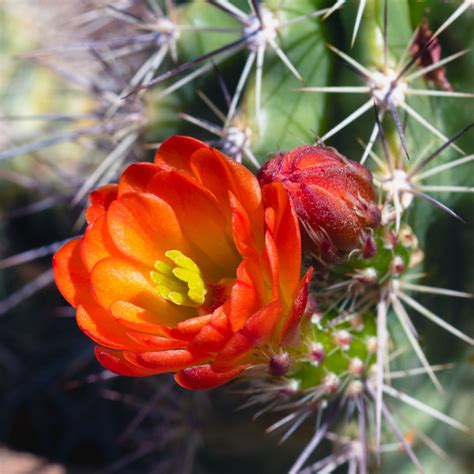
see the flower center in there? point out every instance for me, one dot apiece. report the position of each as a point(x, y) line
point(181, 283)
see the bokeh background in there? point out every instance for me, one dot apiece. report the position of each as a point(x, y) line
point(54, 401)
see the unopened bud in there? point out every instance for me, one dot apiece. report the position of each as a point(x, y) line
point(370, 247)
point(356, 366)
point(279, 364)
point(357, 322)
point(354, 389)
point(343, 339)
point(333, 197)
point(368, 276)
point(372, 345)
point(316, 353)
point(398, 265)
point(330, 383)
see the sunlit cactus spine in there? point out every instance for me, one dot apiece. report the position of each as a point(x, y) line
point(257, 80)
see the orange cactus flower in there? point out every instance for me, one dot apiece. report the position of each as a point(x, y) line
point(333, 197)
point(186, 266)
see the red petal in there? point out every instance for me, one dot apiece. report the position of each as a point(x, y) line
point(220, 174)
point(202, 377)
point(96, 243)
point(70, 273)
point(161, 361)
point(257, 329)
point(299, 307)
point(115, 362)
point(100, 201)
point(286, 234)
point(136, 177)
point(213, 335)
point(101, 327)
point(176, 152)
point(157, 343)
point(243, 299)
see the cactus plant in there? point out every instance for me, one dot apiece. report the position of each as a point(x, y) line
point(354, 117)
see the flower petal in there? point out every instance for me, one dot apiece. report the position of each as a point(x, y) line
point(100, 326)
point(243, 300)
point(134, 317)
point(97, 243)
point(114, 361)
point(156, 343)
point(100, 201)
point(298, 308)
point(256, 330)
point(114, 279)
point(213, 335)
point(161, 361)
point(144, 227)
point(136, 177)
point(286, 235)
point(70, 273)
point(201, 220)
point(203, 377)
point(176, 152)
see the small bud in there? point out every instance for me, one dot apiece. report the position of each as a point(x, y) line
point(372, 345)
point(333, 197)
point(357, 322)
point(316, 353)
point(370, 247)
point(397, 265)
point(356, 366)
point(291, 388)
point(330, 383)
point(343, 339)
point(279, 364)
point(354, 389)
point(407, 238)
point(368, 276)
point(390, 239)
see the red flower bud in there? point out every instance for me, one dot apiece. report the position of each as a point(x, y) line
point(333, 197)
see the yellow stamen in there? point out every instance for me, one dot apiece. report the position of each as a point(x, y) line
point(182, 284)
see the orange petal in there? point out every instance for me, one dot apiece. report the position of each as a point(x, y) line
point(201, 220)
point(202, 377)
point(272, 265)
point(298, 308)
point(157, 343)
point(100, 326)
point(243, 299)
point(189, 328)
point(176, 152)
point(114, 279)
point(100, 201)
point(286, 234)
point(242, 229)
point(220, 174)
point(258, 328)
point(161, 361)
point(133, 317)
point(213, 335)
point(136, 177)
point(96, 243)
point(144, 227)
point(114, 361)
point(70, 273)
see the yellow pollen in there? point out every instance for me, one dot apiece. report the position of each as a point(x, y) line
point(182, 284)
